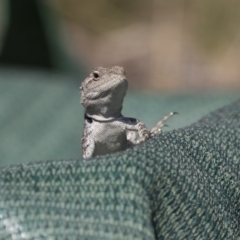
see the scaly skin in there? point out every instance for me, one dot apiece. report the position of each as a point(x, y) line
point(106, 130)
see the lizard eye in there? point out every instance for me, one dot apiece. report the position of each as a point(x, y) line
point(96, 75)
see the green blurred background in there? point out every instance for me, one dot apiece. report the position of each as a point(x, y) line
point(179, 56)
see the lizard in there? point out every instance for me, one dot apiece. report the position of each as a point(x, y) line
point(106, 130)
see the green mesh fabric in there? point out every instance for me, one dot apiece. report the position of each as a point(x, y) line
point(183, 184)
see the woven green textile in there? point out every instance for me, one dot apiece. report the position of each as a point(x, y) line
point(183, 184)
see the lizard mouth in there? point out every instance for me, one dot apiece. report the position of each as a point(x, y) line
point(102, 90)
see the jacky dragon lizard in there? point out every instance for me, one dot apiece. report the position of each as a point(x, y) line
point(106, 130)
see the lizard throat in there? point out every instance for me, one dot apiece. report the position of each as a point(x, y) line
point(90, 119)
point(101, 118)
point(104, 112)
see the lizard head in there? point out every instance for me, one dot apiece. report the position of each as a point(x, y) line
point(102, 93)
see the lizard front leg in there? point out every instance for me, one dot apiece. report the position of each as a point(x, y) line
point(158, 127)
point(88, 144)
point(88, 149)
point(134, 127)
point(143, 132)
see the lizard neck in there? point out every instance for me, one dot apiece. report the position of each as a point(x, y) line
point(99, 119)
point(104, 114)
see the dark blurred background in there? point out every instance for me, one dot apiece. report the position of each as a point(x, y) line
point(179, 55)
point(165, 45)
